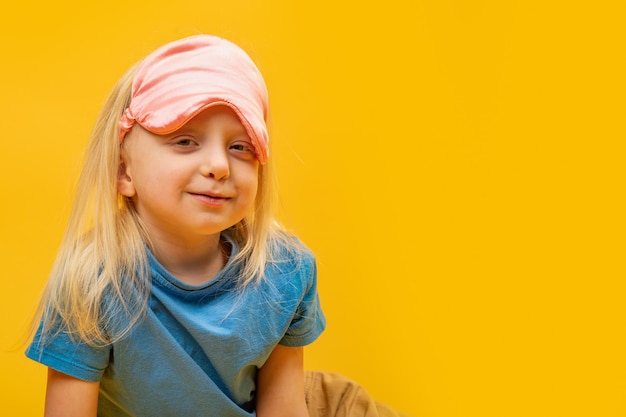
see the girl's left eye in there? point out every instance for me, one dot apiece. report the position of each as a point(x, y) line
point(243, 150)
point(242, 147)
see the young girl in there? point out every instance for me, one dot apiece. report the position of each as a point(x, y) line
point(175, 292)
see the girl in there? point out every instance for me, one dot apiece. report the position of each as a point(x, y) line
point(175, 292)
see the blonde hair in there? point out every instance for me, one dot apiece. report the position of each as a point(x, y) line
point(100, 283)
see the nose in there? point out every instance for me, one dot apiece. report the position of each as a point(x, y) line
point(215, 164)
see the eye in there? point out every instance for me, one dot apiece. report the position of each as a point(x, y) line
point(184, 142)
point(243, 149)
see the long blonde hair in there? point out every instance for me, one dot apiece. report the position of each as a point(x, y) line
point(99, 284)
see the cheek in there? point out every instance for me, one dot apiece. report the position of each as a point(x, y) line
point(250, 184)
point(156, 179)
point(251, 190)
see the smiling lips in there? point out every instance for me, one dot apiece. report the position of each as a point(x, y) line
point(213, 200)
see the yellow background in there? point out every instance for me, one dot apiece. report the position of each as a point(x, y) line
point(457, 166)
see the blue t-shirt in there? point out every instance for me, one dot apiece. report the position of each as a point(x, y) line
point(198, 349)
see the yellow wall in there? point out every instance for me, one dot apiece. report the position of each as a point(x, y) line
point(457, 166)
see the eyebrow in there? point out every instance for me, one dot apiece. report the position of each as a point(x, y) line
point(231, 130)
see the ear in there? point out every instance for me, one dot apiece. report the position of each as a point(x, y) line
point(125, 184)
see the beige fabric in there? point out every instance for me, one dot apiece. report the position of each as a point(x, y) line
point(332, 395)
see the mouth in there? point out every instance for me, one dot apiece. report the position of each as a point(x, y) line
point(214, 200)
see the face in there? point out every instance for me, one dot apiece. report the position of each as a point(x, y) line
point(194, 182)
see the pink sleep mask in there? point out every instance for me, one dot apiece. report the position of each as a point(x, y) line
point(184, 77)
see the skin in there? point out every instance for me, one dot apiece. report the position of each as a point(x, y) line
point(67, 396)
point(187, 187)
point(190, 185)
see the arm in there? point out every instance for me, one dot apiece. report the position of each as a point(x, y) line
point(67, 396)
point(280, 384)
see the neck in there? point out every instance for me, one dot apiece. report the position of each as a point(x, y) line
point(194, 264)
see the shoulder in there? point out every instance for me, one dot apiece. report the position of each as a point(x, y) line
point(288, 255)
point(291, 266)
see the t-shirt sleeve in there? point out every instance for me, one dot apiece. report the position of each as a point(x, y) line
point(72, 357)
point(309, 321)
